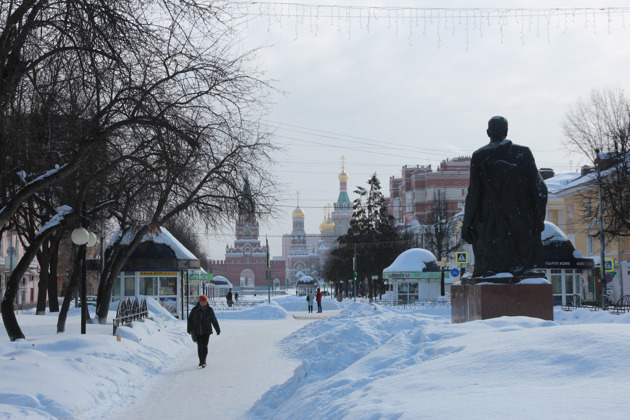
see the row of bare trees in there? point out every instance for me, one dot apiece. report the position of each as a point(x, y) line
point(138, 112)
point(602, 122)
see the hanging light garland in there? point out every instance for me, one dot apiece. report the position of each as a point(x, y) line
point(429, 21)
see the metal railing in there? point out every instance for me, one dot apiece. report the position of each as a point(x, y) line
point(622, 305)
point(130, 310)
point(414, 304)
point(222, 305)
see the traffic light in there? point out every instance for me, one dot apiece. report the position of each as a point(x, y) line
point(355, 276)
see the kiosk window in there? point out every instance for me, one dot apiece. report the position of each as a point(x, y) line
point(168, 285)
point(148, 286)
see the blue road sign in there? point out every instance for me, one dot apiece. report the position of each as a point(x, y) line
point(609, 265)
point(461, 257)
point(454, 272)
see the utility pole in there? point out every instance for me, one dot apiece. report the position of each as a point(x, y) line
point(602, 239)
point(354, 269)
point(268, 272)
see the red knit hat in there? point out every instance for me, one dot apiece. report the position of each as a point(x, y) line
point(203, 298)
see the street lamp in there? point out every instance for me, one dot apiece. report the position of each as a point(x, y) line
point(82, 237)
point(442, 264)
point(374, 279)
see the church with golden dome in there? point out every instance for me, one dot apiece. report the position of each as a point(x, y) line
point(305, 254)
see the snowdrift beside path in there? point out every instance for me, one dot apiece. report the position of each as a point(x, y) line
point(363, 362)
point(70, 375)
point(371, 362)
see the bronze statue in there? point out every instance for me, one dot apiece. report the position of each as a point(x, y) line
point(505, 206)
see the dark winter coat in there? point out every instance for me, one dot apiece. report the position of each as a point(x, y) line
point(201, 320)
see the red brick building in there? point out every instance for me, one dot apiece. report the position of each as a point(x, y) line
point(245, 264)
point(413, 195)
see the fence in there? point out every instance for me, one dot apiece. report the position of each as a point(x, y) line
point(414, 304)
point(620, 306)
point(221, 305)
point(129, 311)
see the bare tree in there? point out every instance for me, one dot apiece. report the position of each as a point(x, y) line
point(602, 122)
point(439, 229)
point(158, 93)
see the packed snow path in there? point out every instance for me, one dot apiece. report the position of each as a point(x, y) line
point(222, 390)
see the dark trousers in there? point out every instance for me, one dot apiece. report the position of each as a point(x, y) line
point(319, 306)
point(202, 347)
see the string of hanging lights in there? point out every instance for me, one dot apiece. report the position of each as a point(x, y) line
point(425, 21)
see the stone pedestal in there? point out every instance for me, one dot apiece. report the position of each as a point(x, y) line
point(473, 302)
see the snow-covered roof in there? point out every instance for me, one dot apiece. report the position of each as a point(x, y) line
point(561, 181)
point(306, 279)
point(163, 236)
point(552, 233)
point(221, 281)
point(414, 259)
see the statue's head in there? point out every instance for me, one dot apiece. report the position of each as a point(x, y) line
point(497, 128)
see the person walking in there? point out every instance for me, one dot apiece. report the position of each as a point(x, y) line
point(318, 298)
point(228, 297)
point(200, 322)
point(309, 300)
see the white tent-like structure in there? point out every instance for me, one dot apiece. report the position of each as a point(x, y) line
point(218, 287)
point(414, 276)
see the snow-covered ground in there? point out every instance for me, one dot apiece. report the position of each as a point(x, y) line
point(354, 361)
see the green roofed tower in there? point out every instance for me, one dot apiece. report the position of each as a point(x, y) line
point(342, 208)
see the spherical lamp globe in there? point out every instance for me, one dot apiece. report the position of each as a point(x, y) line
point(91, 239)
point(80, 236)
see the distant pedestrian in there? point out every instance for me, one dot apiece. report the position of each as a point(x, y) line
point(309, 301)
point(318, 298)
point(200, 322)
point(228, 298)
point(235, 296)
point(339, 297)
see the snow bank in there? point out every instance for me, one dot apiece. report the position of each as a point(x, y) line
point(70, 375)
point(372, 362)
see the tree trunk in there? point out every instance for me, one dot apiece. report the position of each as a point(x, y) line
point(53, 301)
point(43, 258)
point(109, 276)
point(8, 315)
point(65, 306)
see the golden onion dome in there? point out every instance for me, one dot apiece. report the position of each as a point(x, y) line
point(328, 224)
point(343, 176)
point(298, 212)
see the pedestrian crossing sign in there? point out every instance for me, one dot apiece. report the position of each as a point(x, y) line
point(609, 265)
point(461, 257)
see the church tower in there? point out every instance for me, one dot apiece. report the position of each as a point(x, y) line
point(298, 236)
point(246, 225)
point(342, 212)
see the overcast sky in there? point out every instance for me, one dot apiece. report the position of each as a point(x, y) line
point(416, 85)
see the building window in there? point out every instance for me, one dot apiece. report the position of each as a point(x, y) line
point(149, 286)
point(168, 286)
point(556, 281)
point(130, 286)
point(589, 244)
point(589, 209)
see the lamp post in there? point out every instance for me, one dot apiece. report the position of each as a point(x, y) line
point(374, 279)
point(442, 264)
point(602, 239)
point(82, 237)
